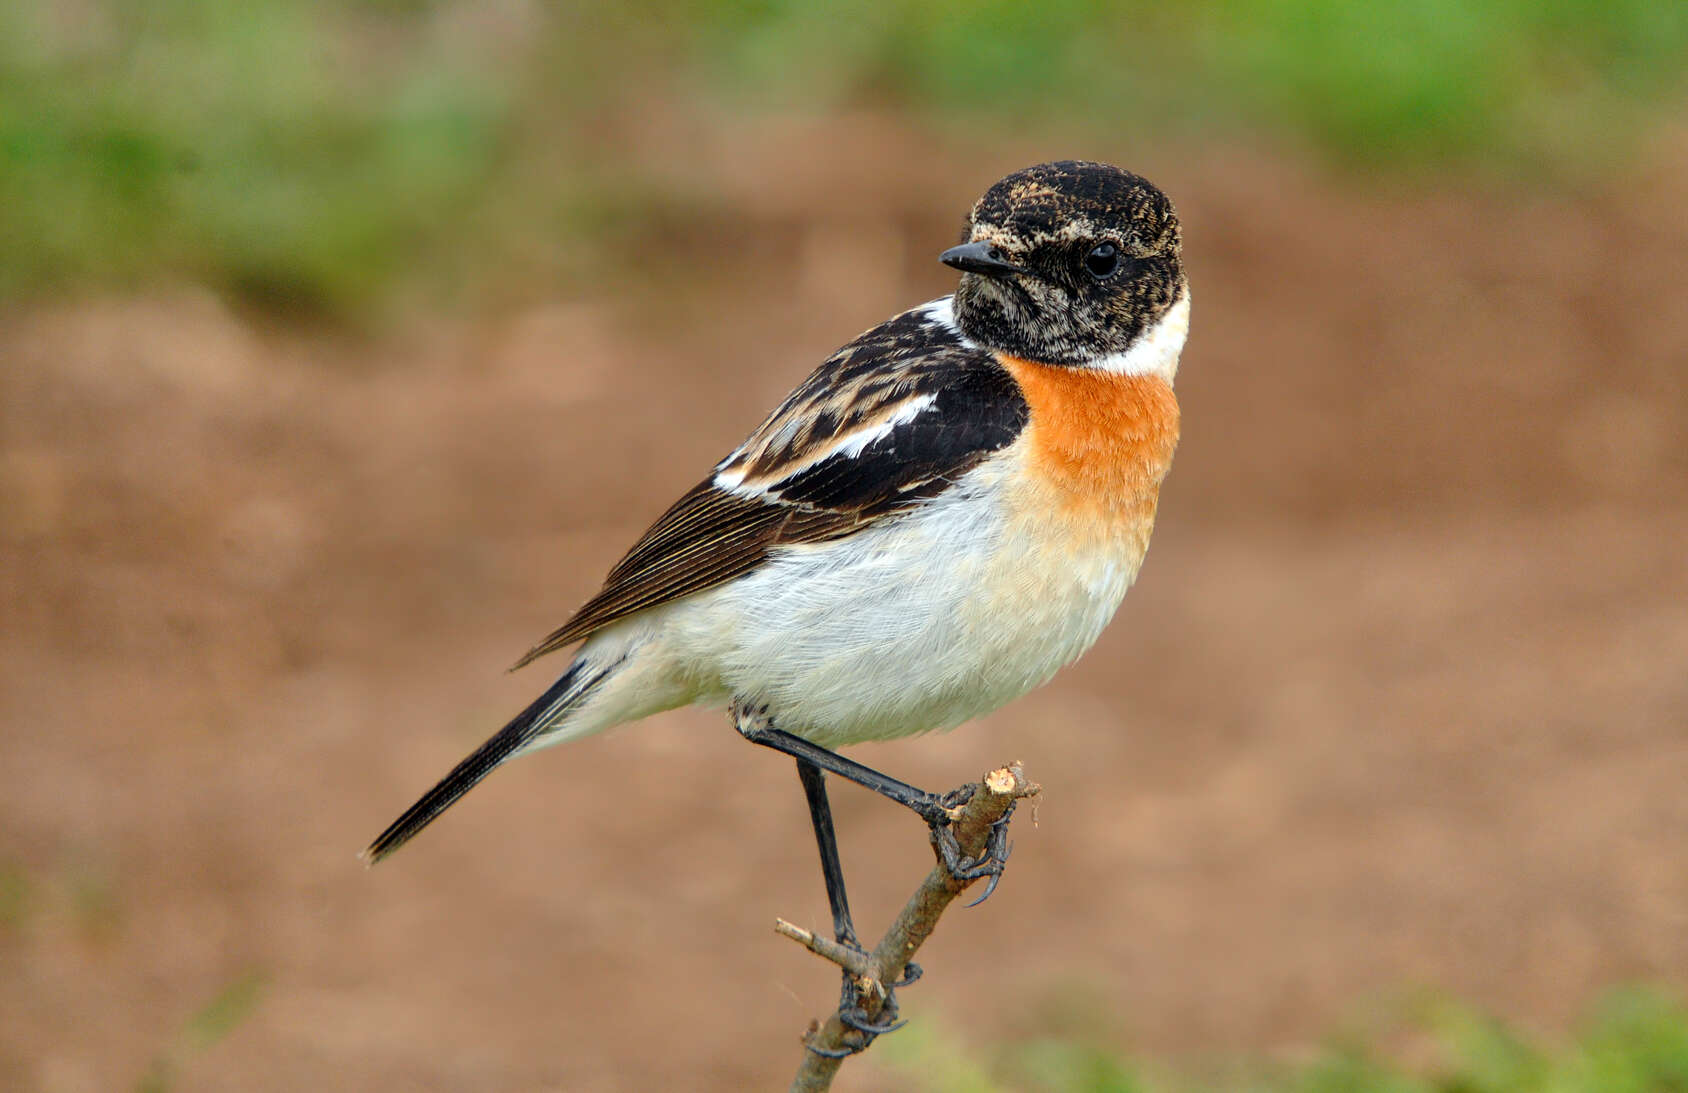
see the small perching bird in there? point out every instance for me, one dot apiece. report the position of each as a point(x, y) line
point(945, 513)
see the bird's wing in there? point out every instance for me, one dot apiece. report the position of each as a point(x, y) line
point(886, 423)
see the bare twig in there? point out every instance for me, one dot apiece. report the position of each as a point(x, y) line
point(843, 956)
point(824, 1043)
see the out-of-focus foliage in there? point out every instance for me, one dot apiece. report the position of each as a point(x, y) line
point(1635, 1041)
point(317, 154)
point(1426, 80)
point(204, 1029)
point(283, 150)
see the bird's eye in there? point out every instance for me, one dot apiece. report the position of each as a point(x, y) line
point(1102, 261)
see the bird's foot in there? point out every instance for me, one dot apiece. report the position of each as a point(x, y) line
point(990, 863)
point(853, 997)
point(866, 1027)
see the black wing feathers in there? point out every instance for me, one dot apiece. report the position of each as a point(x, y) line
point(977, 412)
point(888, 421)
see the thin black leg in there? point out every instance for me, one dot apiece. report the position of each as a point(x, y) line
point(820, 812)
point(754, 725)
point(929, 806)
point(850, 1009)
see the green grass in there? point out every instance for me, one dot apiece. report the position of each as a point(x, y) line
point(286, 151)
point(323, 155)
point(204, 1029)
point(1635, 1041)
point(16, 895)
point(1426, 81)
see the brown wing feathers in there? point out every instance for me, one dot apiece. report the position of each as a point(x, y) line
point(920, 408)
point(709, 537)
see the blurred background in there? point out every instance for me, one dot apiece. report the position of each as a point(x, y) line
point(344, 346)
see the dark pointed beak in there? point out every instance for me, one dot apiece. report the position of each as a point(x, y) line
point(978, 257)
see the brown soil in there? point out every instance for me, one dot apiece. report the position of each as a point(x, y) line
point(1402, 697)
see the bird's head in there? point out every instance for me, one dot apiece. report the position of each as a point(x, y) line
point(1074, 263)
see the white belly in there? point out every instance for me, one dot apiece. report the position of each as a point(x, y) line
point(918, 624)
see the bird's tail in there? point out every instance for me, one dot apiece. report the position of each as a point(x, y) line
point(564, 697)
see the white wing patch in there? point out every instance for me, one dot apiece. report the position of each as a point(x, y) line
point(853, 442)
point(796, 438)
point(942, 312)
point(849, 445)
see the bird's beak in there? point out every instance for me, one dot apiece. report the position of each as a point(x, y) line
point(978, 257)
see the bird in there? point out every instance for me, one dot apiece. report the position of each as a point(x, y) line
point(942, 515)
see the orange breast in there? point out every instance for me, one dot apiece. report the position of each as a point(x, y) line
point(1098, 444)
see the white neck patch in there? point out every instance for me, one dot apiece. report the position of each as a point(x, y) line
point(1155, 353)
point(942, 312)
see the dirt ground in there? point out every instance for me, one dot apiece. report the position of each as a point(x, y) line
point(1401, 698)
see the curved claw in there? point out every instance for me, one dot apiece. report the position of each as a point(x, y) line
point(990, 886)
point(988, 864)
point(857, 1019)
point(957, 797)
point(911, 972)
point(835, 1053)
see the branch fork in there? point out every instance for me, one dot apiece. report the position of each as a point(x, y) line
point(973, 822)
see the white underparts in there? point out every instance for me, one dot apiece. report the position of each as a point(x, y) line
point(913, 624)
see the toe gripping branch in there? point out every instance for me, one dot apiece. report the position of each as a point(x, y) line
point(860, 1026)
point(969, 833)
point(866, 1027)
point(964, 870)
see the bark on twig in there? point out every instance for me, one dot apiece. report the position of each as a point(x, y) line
point(826, 948)
point(992, 798)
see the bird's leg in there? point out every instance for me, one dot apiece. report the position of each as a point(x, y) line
point(850, 1009)
point(757, 727)
point(832, 868)
point(820, 814)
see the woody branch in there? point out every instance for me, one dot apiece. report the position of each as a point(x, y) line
point(992, 798)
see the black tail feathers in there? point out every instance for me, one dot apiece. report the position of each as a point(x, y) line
point(521, 731)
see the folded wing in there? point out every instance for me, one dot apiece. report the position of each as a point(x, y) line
point(885, 424)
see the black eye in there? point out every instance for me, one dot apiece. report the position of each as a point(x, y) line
point(1102, 261)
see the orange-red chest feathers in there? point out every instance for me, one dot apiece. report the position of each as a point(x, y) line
point(1097, 446)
